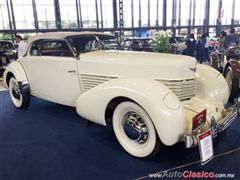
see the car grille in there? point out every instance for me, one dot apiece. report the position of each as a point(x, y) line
point(184, 89)
point(90, 81)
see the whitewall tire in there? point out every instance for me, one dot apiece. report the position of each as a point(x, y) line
point(19, 100)
point(134, 130)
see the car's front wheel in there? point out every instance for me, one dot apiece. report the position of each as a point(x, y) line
point(134, 130)
point(19, 100)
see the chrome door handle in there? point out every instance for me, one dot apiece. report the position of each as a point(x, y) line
point(72, 71)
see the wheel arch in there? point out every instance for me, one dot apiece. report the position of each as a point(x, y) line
point(113, 104)
point(233, 83)
point(225, 69)
point(8, 77)
point(159, 102)
point(16, 70)
point(235, 66)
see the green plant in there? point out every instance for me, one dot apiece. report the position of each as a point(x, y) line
point(161, 42)
point(6, 36)
point(26, 36)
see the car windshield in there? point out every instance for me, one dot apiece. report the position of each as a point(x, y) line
point(82, 44)
point(6, 46)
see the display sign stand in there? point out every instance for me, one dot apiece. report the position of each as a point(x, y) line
point(205, 142)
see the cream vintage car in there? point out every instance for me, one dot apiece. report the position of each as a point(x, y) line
point(153, 99)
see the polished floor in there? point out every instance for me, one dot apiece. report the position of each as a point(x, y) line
point(49, 141)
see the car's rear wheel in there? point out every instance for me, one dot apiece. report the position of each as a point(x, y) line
point(4, 60)
point(135, 131)
point(19, 100)
point(233, 84)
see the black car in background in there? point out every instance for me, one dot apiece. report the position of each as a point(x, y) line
point(8, 54)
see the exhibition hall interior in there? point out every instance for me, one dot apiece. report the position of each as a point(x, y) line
point(119, 89)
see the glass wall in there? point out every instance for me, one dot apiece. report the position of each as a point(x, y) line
point(200, 12)
point(185, 10)
point(4, 20)
point(160, 12)
point(227, 11)
point(169, 12)
point(177, 12)
point(88, 9)
point(144, 13)
point(107, 11)
point(213, 13)
point(46, 14)
point(23, 13)
point(136, 13)
point(68, 14)
point(127, 13)
point(237, 14)
point(153, 13)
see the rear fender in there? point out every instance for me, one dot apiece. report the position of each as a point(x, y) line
point(156, 99)
point(235, 65)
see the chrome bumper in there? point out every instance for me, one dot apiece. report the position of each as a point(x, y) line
point(232, 114)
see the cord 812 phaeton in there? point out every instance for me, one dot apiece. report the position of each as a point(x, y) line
point(154, 99)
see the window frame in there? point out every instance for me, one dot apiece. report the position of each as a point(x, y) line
point(42, 41)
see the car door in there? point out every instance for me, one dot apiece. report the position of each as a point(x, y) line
point(52, 71)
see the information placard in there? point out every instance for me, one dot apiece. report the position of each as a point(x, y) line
point(205, 142)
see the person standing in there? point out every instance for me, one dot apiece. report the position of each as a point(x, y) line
point(207, 47)
point(21, 45)
point(232, 39)
point(222, 38)
point(200, 49)
point(191, 44)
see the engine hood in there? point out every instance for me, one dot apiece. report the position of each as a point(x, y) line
point(148, 64)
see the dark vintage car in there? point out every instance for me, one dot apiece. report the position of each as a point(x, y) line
point(229, 64)
point(7, 55)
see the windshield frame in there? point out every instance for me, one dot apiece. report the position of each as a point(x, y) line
point(92, 39)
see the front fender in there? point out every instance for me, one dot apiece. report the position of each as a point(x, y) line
point(17, 71)
point(156, 99)
point(235, 65)
point(211, 84)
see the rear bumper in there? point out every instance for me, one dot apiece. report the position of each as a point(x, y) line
point(231, 115)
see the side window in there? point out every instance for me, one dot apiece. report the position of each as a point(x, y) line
point(88, 46)
point(36, 49)
point(83, 44)
point(55, 48)
point(50, 48)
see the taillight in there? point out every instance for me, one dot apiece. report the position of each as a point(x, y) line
point(199, 120)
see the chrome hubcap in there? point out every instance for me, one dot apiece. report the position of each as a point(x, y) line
point(135, 127)
point(16, 91)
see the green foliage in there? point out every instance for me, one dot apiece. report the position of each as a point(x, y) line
point(161, 42)
point(6, 36)
point(26, 36)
